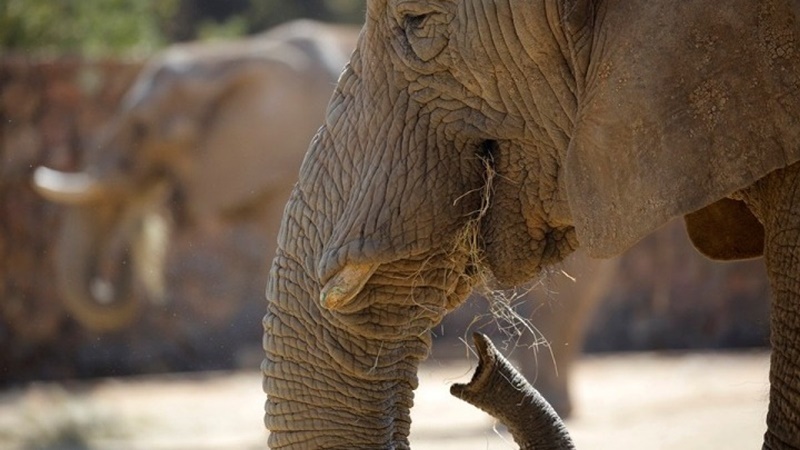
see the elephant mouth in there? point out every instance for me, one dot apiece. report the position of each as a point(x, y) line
point(431, 284)
point(345, 285)
point(441, 277)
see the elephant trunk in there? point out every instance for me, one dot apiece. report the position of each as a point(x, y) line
point(336, 380)
point(356, 286)
point(95, 302)
point(342, 351)
point(113, 235)
point(501, 391)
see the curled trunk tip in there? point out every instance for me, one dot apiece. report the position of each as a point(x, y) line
point(500, 390)
point(99, 304)
point(487, 358)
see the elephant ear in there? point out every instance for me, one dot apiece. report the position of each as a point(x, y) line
point(684, 104)
point(259, 114)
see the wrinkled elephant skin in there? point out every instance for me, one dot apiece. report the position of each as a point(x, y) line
point(480, 142)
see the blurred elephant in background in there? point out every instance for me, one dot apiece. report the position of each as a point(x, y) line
point(207, 130)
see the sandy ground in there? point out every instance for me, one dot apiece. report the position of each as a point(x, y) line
point(642, 401)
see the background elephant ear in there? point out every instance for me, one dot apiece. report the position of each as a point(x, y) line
point(684, 104)
point(260, 115)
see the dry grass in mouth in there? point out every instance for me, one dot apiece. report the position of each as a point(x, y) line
point(467, 257)
point(503, 304)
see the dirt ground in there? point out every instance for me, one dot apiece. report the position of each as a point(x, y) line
point(642, 401)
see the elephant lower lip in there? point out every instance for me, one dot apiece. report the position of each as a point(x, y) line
point(340, 290)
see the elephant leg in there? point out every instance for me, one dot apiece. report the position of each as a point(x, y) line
point(775, 200)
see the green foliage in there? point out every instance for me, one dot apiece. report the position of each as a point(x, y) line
point(232, 27)
point(261, 15)
point(348, 11)
point(89, 27)
point(103, 27)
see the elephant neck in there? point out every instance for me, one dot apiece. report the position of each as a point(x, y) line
point(775, 200)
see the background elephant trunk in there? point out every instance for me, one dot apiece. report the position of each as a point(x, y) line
point(98, 303)
point(501, 391)
point(111, 241)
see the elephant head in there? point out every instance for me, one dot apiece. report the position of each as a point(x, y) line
point(479, 140)
point(220, 127)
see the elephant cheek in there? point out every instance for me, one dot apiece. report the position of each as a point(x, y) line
point(518, 248)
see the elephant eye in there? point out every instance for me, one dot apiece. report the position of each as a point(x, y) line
point(415, 21)
point(425, 33)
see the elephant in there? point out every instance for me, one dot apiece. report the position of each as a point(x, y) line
point(480, 142)
point(208, 131)
point(205, 104)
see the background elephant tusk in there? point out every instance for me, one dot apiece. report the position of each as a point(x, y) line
point(65, 187)
point(345, 285)
point(150, 254)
